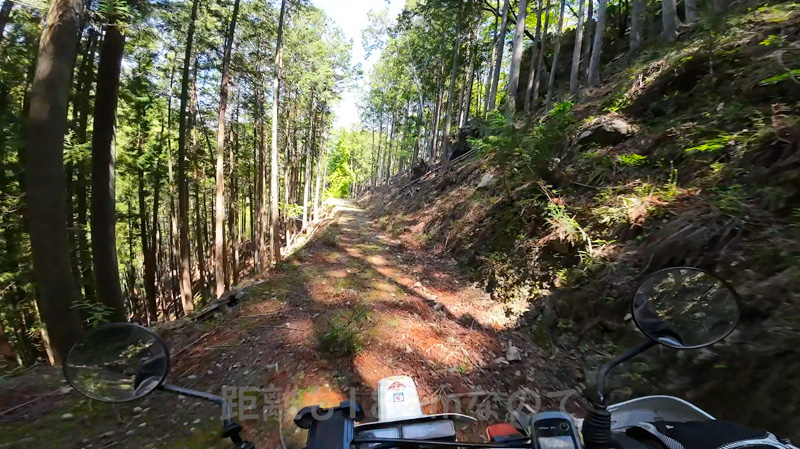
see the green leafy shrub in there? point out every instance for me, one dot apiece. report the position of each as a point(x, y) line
point(632, 160)
point(330, 238)
point(564, 225)
point(780, 77)
point(595, 167)
point(291, 210)
point(343, 336)
point(711, 145)
point(96, 313)
point(535, 147)
point(773, 40)
point(729, 199)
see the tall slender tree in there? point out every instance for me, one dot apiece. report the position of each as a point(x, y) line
point(450, 92)
point(274, 223)
point(557, 47)
point(600, 26)
point(45, 182)
point(516, 58)
point(669, 20)
point(185, 272)
point(309, 163)
point(588, 36)
point(219, 200)
point(499, 45)
point(574, 74)
point(637, 24)
point(540, 63)
point(536, 48)
point(691, 11)
point(104, 215)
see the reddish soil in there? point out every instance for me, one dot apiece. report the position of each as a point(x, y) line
point(423, 319)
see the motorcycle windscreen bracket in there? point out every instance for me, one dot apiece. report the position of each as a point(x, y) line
point(554, 430)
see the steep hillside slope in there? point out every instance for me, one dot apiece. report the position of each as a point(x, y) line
point(690, 155)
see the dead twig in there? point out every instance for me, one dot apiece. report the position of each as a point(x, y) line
point(203, 337)
point(259, 315)
point(21, 370)
point(585, 185)
point(61, 390)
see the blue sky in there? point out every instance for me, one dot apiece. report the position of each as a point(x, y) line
point(351, 16)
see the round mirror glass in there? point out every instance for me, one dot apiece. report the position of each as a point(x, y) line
point(117, 362)
point(685, 308)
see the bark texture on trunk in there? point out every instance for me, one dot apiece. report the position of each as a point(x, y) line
point(436, 113)
point(637, 25)
point(574, 74)
point(151, 257)
point(185, 272)
point(309, 163)
point(500, 45)
point(219, 198)
point(540, 63)
point(319, 177)
point(490, 63)
point(557, 47)
point(274, 225)
point(516, 58)
point(450, 93)
point(104, 215)
point(691, 11)
point(669, 20)
point(535, 49)
point(149, 263)
point(594, 62)
point(588, 35)
point(45, 181)
point(81, 125)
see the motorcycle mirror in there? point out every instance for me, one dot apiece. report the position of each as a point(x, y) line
point(117, 362)
point(685, 308)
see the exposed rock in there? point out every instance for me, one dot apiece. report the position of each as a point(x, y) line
point(488, 180)
point(512, 353)
point(549, 316)
point(607, 130)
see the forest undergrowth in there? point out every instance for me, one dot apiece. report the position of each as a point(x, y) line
point(559, 219)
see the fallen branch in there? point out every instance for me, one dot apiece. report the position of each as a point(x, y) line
point(19, 370)
point(585, 185)
point(62, 390)
point(258, 315)
point(203, 337)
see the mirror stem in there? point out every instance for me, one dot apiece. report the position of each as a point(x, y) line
point(226, 411)
point(603, 373)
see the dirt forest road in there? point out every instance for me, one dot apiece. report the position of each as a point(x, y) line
point(351, 307)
